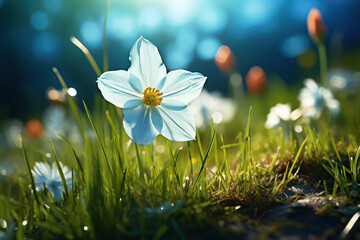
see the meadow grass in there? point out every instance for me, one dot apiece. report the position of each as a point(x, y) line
point(168, 189)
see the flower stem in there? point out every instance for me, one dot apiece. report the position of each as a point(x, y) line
point(139, 162)
point(323, 63)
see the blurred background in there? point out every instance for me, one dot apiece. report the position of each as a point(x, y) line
point(35, 36)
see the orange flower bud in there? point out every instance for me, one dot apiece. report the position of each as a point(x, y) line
point(256, 80)
point(316, 26)
point(34, 128)
point(224, 59)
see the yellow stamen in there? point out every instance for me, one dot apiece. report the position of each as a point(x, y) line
point(152, 96)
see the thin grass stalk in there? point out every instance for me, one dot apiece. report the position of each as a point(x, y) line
point(74, 154)
point(141, 168)
point(87, 54)
point(205, 158)
point(190, 159)
point(33, 186)
point(98, 138)
point(323, 63)
point(59, 168)
point(72, 104)
point(297, 157)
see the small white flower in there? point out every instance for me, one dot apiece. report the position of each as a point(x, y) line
point(313, 99)
point(212, 105)
point(280, 112)
point(44, 173)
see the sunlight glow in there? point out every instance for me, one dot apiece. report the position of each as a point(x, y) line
point(40, 20)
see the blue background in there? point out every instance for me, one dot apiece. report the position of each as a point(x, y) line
point(35, 36)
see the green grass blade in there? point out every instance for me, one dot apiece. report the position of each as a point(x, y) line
point(59, 167)
point(198, 141)
point(74, 154)
point(98, 138)
point(205, 158)
point(72, 104)
point(141, 168)
point(87, 54)
point(226, 159)
point(33, 186)
point(335, 148)
point(297, 157)
point(190, 159)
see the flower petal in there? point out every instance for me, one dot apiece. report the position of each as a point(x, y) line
point(311, 85)
point(272, 120)
point(118, 87)
point(146, 63)
point(178, 121)
point(142, 123)
point(182, 85)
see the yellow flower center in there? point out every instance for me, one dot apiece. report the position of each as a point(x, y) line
point(152, 96)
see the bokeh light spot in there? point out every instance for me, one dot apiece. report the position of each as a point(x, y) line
point(295, 45)
point(122, 26)
point(150, 19)
point(212, 19)
point(40, 20)
point(45, 45)
point(307, 59)
point(186, 39)
point(224, 58)
point(91, 33)
point(176, 57)
point(3, 223)
point(255, 10)
point(207, 48)
point(217, 117)
point(300, 9)
point(180, 12)
point(338, 82)
point(298, 128)
point(72, 92)
point(53, 6)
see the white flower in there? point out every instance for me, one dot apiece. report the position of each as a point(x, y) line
point(212, 105)
point(280, 112)
point(313, 99)
point(154, 102)
point(44, 173)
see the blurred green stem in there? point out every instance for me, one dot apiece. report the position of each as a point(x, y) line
point(323, 63)
point(139, 162)
point(105, 55)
